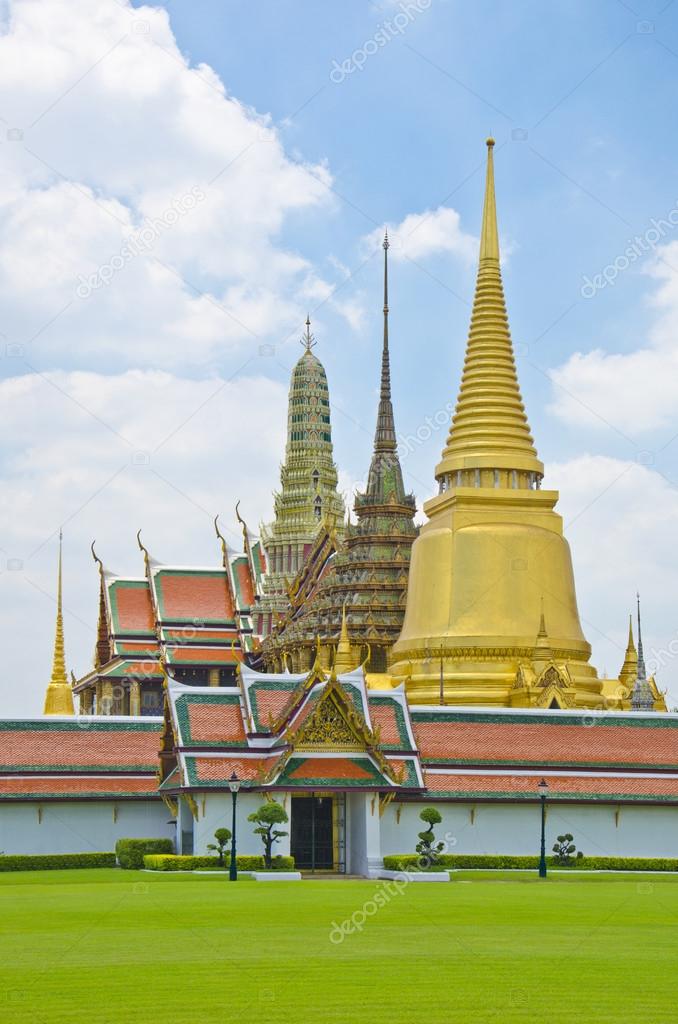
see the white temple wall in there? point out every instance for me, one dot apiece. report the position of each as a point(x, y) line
point(80, 826)
point(216, 811)
point(599, 830)
point(363, 841)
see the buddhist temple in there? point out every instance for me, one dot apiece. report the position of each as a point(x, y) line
point(355, 589)
point(357, 671)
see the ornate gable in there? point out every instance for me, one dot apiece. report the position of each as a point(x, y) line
point(333, 725)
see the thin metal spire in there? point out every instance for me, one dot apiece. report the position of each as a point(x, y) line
point(642, 698)
point(385, 435)
point(308, 340)
point(641, 658)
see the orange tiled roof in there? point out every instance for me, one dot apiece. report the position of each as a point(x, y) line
point(132, 607)
point(330, 768)
point(47, 785)
point(507, 740)
point(384, 719)
point(559, 786)
point(217, 722)
point(194, 595)
point(56, 746)
point(220, 769)
point(204, 655)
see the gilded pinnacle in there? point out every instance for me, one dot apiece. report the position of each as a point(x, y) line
point(489, 428)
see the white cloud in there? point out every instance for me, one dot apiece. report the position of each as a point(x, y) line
point(117, 128)
point(621, 520)
point(632, 391)
point(104, 456)
point(420, 235)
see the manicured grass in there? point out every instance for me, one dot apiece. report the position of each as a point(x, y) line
point(105, 946)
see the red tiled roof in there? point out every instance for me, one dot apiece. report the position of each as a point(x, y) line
point(384, 719)
point(506, 741)
point(126, 749)
point(270, 703)
point(217, 722)
point(202, 655)
point(189, 634)
point(132, 607)
point(559, 785)
point(245, 581)
point(76, 785)
point(329, 768)
point(220, 769)
point(194, 595)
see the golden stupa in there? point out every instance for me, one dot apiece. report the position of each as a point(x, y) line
point(491, 612)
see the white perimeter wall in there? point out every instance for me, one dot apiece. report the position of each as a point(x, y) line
point(80, 826)
point(216, 811)
point(600, 830)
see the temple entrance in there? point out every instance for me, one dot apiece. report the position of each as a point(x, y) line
point(312, 833)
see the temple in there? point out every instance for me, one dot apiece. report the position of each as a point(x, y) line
point(355, 671)
point(354, 590)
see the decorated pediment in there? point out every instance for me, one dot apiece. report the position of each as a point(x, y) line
point(333, 724)
point(553, 676)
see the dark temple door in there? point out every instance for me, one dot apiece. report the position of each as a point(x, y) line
point(312, 835)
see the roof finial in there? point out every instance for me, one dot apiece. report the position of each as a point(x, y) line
point(642, 698)
point(385, 436)
point(489, 236)
point(308, 341)
point(641, 658)
point(59, 697)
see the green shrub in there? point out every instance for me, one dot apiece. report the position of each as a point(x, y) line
point(55, 861)
point(409, 862)
point(130, 852)
point(165, 862)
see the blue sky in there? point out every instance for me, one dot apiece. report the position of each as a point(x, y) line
point(122, 111)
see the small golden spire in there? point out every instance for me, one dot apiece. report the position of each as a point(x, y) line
point(629, 669)
point(344, 661)
point(489, 429)
point(59, 696)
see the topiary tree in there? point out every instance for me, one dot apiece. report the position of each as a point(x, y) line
point(222, 836)
point(427, 848)
point(269, 815)
point(564, 850)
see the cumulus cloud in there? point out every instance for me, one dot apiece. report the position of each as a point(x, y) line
point(430, 233)
point(599, 388)
point(104, 456)
point(621, 519)
point(109, 129)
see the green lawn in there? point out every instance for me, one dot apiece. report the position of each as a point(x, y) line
point(111, 947)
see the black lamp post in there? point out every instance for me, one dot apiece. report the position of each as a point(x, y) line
point(543, 790)
point(234, 786)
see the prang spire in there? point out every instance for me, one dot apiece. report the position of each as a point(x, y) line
point(642, 698)
point(385, 435)
point(59, 696)
point(490, 430)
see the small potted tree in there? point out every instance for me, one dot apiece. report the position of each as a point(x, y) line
point(222, 836)
point(427, 847)
point(266, 818)
point(565, 850)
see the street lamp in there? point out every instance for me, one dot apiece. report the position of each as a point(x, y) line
point(543, 790)
point(234, 785)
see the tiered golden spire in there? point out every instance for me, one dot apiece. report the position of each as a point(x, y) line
point(59, 696)
point(629, 669)
point(344, 660)
point(489, 429)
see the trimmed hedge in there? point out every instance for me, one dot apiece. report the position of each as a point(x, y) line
point(131, 852)
point(55, 861)
point(409, 861)
point(163, 862)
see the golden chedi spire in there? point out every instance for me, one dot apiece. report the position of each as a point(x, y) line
point(492, 557)
point(59, 696)
point(489, 428)
point(629, 669)
point(344, 660)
